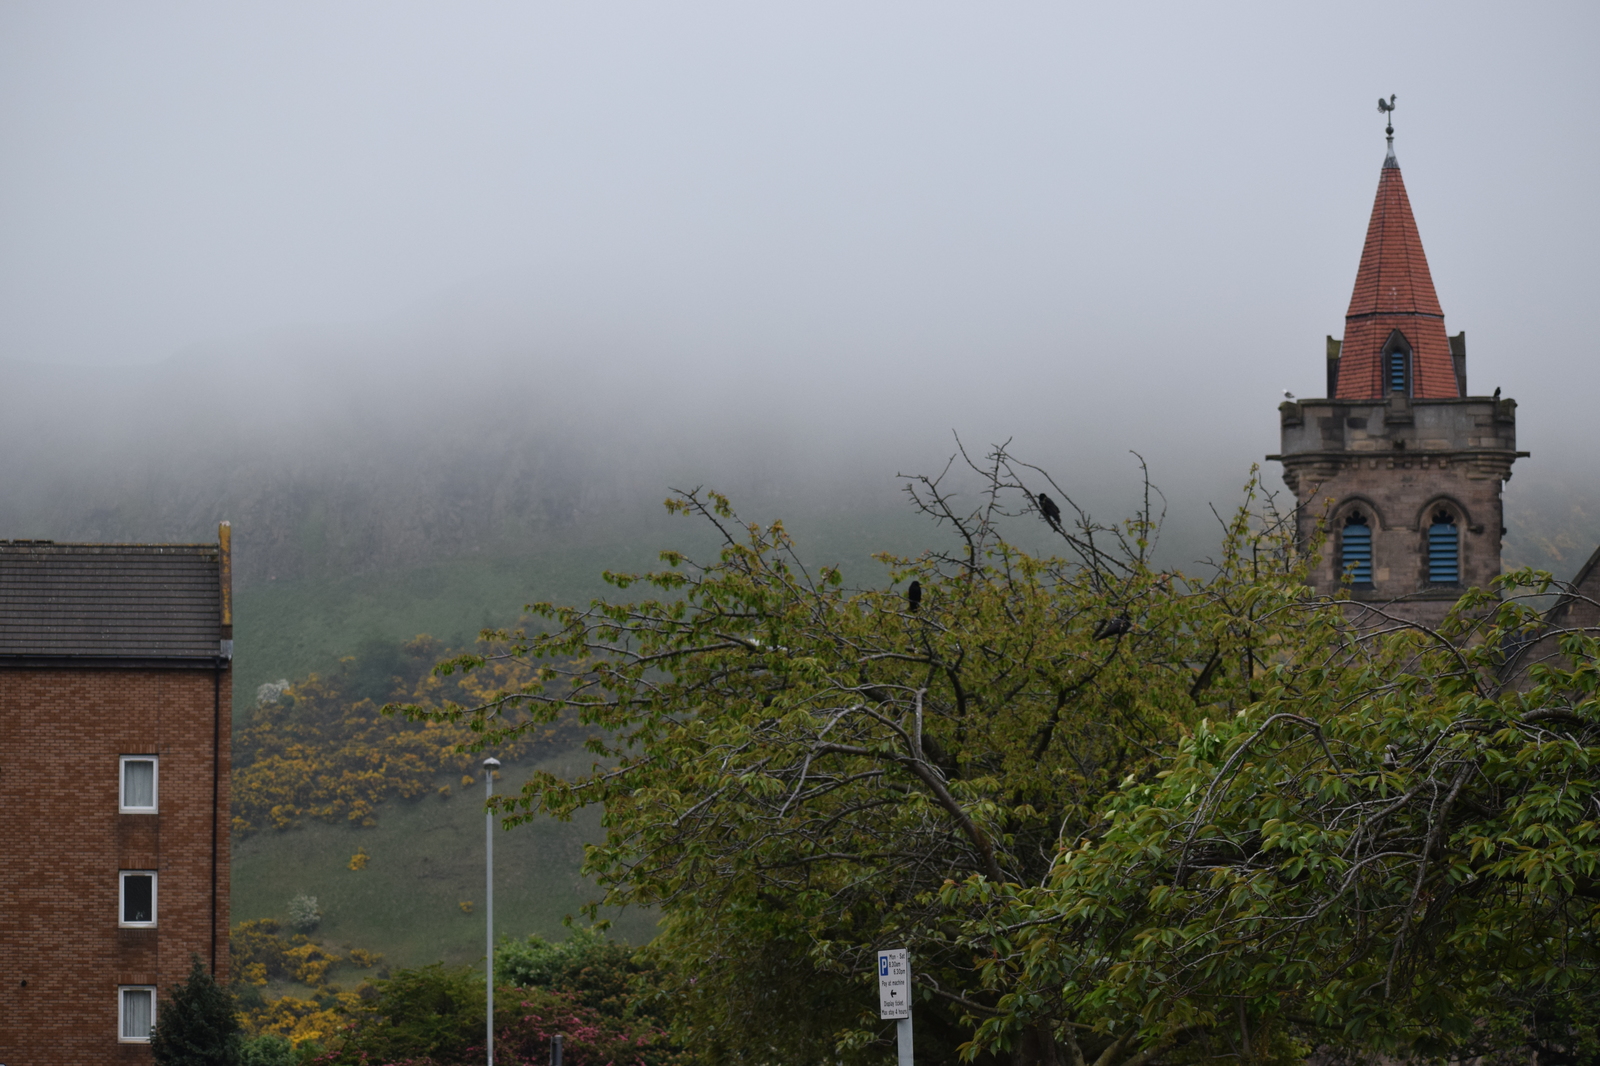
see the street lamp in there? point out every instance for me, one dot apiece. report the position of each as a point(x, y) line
point(490, 765)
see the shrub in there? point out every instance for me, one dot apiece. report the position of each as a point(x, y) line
point(304, 914)
point(601, 974)
point(260, 953)
point(197, 1025)
point(269, 1049)
point(434, 1013)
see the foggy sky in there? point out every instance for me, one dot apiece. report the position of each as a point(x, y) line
point(779, 231)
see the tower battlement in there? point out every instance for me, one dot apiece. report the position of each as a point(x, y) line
point(1327, 435)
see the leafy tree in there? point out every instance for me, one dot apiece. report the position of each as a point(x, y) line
point(1119, 815)
point(197, 1024)
point(1391, 850)
point(794, 769)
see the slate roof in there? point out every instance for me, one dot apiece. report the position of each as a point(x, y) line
point(113, 604)
point(1394, 291)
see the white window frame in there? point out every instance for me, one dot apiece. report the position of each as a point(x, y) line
point(122, 888)
point(155, 784)
point(122, 1019)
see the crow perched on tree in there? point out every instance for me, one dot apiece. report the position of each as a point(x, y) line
point(914, 596)
point(1113, 627)
point(1051, 512)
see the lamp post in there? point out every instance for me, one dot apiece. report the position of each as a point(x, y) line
point(490, 765)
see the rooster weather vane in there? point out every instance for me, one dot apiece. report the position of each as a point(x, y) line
point(1387, 110)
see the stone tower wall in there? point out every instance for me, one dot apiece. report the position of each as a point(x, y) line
point(1400, 462)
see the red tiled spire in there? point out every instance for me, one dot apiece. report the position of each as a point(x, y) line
point(1394, 291)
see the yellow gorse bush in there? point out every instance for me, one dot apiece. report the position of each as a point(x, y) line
point(261, 953)
point(302, 1020)
point(326, 750)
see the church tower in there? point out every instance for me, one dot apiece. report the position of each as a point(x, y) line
point(1399, 467)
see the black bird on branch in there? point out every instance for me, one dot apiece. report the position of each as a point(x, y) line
point(1113, 627)
point(1051, 512)
point(914, 596)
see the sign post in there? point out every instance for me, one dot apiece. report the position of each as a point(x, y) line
point(894, 996)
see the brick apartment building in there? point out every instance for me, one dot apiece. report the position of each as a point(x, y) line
point(114, 736)
point(1399, 467)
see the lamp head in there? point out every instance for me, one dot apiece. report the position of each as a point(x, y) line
point(491, 763)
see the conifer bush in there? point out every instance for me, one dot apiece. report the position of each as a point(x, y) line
point(197, 1025)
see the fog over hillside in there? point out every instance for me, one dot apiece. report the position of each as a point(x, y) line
point(336, 455)
point(330, 459)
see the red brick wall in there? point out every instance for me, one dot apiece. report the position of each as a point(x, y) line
point(62, 843)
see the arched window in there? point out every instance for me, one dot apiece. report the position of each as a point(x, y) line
point(1394, 371)
point(1444, 550)
point(1355, 550)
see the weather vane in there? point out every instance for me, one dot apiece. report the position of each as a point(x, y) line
point(1387, 110)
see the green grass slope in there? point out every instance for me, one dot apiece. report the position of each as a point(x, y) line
point(426, 857)
point(290, 629)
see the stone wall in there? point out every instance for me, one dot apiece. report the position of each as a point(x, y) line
point(1399, 463)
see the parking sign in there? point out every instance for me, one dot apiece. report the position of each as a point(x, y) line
point(894, 985)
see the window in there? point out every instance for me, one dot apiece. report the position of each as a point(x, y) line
point(1355, 550)
point(138, 784)
point(1444, 550)
point(1394, 369)
point(136, 1013)
point(137, 906)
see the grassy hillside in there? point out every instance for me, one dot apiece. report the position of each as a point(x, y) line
point(426, 857)
point(287, 629)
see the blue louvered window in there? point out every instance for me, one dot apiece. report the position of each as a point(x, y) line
point(1444, 550)
point(1395, 369)
point(1355, 550)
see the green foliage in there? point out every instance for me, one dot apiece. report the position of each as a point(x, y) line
point(436, 1015)
point(433, 1013)
point(1391, 848)
point(269, 1049)
point(1118, 815)
point(795, 769)
point(197, 1024)
point(602, 974)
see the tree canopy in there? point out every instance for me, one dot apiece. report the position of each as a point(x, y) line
point(1119, 814)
